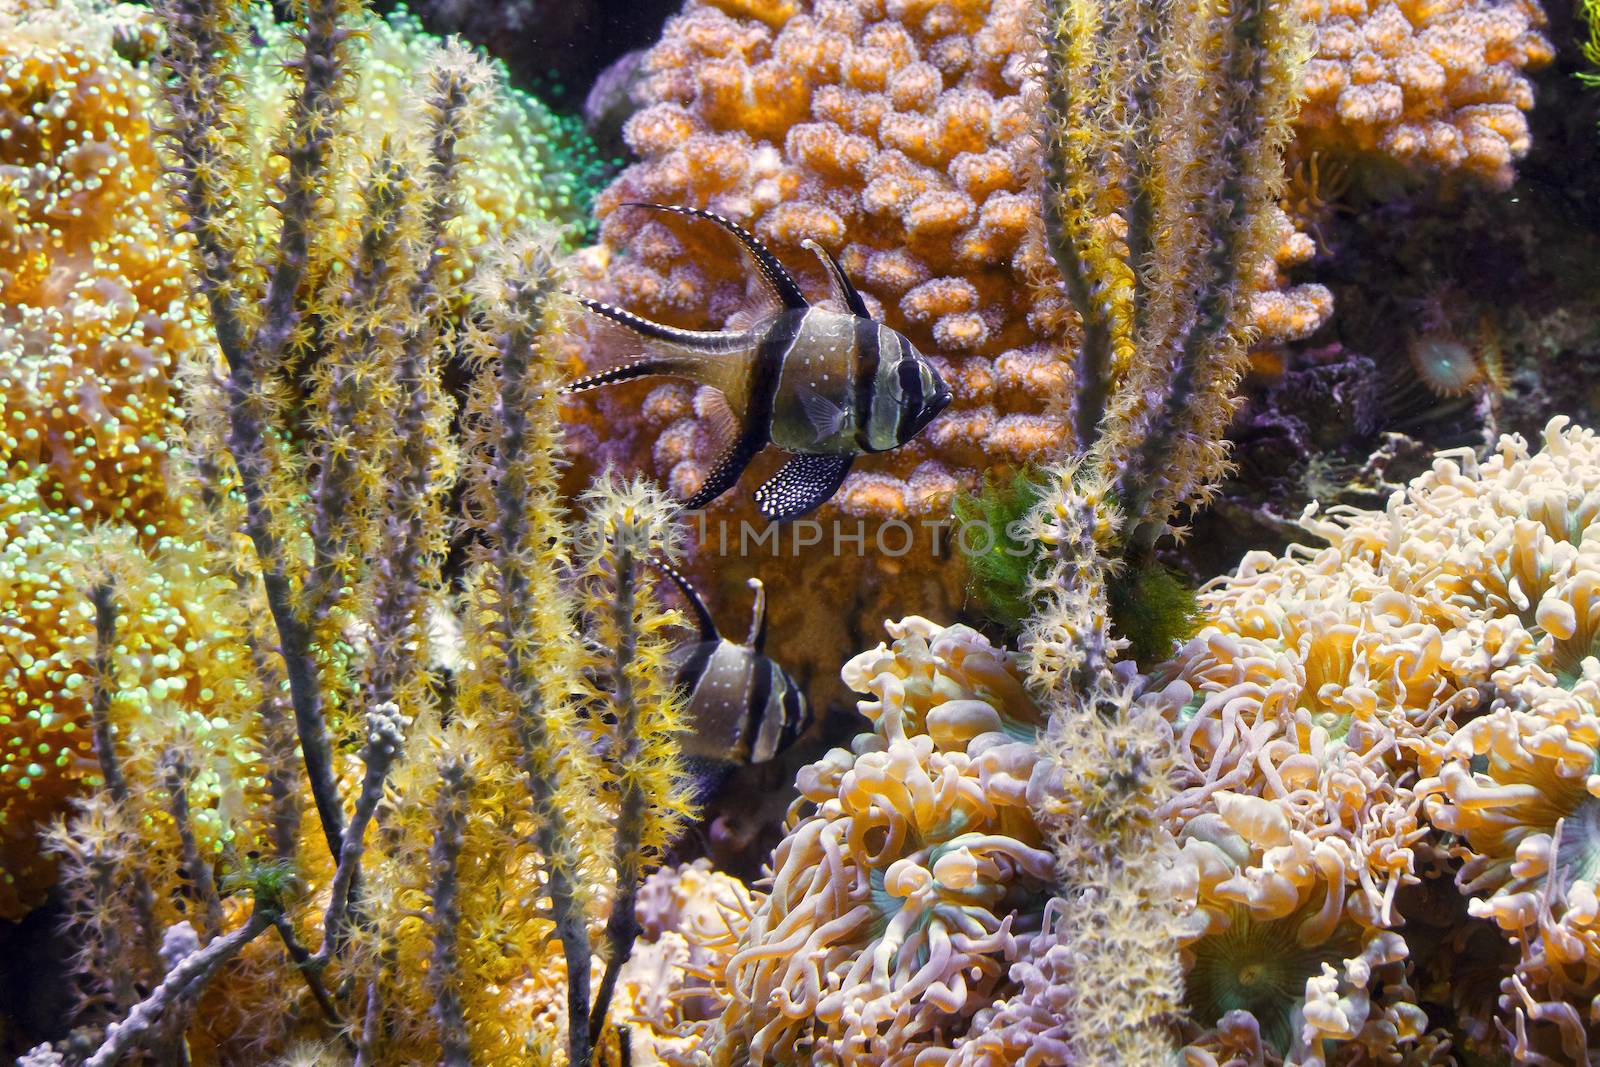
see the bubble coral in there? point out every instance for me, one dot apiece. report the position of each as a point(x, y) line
point(93, 306)
point(1439, 85)
point(898, 897)
point(525, 162)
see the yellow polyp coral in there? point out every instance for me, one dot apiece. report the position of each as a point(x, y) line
point(904, 139)
point(1438, 85)
point(912, 867)
point(525, 162)
point(94, 312)
point(173, 660)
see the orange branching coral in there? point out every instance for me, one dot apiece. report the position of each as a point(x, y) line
point(1439, 84)
point(898, 898)
point(901, 137)
point(93, 306)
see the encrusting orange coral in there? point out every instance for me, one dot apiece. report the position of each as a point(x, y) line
point(1425, 83)
point(903, 139)
point(94, 310)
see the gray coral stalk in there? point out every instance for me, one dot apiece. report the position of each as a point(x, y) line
point(197, 967)
point(103, 596)
point(444, 976)
point(202, 41)
point(175, 772)
point(385, 736)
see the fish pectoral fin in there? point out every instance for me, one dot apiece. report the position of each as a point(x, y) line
point(727, 469)
point(717, 414)
point(825, 416)
point(805, 482)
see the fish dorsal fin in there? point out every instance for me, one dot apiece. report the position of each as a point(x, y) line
point(841, 282)
point(805, 482)
point(772, 271)
point(702, 616)
point(758, 617)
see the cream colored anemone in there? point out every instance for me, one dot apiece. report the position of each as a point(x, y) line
point(897, 900)
point(1430, 672)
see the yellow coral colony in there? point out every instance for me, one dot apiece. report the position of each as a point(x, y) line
point(94, 308)
point(406, 924)
point(97, 321)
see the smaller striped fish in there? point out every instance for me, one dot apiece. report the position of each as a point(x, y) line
point(743, 707)
point(825, 385)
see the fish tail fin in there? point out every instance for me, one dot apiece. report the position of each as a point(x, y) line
point(627, 372)
point(727, 376)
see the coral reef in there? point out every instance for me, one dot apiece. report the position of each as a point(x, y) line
point(339, 708)
point(526, 162)
point(97, 320)
point(1435, 85)
point(910, 871)
point(902, 139)
point(1413, 699)
point(176, 666)
point(321, 453)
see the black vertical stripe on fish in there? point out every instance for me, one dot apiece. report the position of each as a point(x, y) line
point(793, 716)
point(768, 370)
point(776, 276)
point(760, 692)
point(867, 356)
point(757, 426)
point(910, 398)
point(694, 668)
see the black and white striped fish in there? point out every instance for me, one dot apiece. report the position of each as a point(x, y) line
point(826, 385)
point(743, 707)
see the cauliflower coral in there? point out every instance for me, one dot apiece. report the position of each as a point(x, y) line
point(1433, 83)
